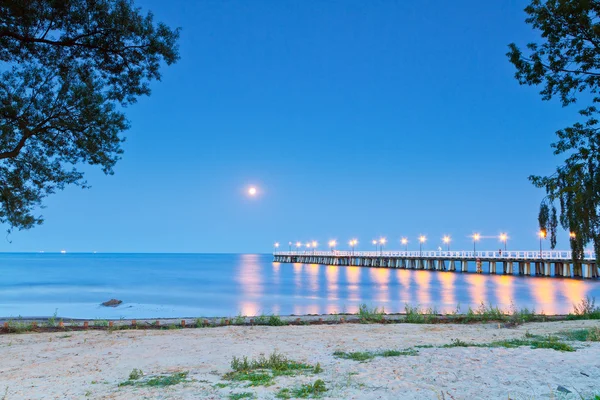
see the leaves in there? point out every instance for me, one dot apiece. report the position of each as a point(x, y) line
point(566, 64)
point(68, 69)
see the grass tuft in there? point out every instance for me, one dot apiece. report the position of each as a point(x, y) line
point(238, 396)
point(263, 370)
point(311, 390)
point(366, 315)
point(362, 356)
point(157, 381)
point(586, 309)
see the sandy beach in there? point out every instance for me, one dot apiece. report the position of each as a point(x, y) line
point(91, 364)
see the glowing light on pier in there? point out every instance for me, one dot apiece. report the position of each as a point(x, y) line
point(446, 240)
point(504, 238)
point(314, 244)
point(332, 244)
point(476, 237)
point(404, 241)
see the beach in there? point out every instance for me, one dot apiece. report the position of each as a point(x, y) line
point(92, 364)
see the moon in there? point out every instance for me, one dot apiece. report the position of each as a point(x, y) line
point(252, 191)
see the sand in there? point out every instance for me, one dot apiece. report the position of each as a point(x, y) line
point(91, 364)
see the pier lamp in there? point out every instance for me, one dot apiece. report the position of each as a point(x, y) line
point(422, 240)
point(476, 237)
point(382, 241)
point(375, 244)
point(404, 241)
point(298, 245)
point(307, 246)
point(314, 246)
point(504, 238)
point(353, 243)
point(332, 244)
point(289, 246)
point(276, 245)
point(446, 240)
point(542, 235)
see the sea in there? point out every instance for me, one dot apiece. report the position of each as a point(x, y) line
point(226, 285)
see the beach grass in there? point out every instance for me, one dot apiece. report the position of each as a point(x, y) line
point(263, 370)
point(362, 356)
point(586, 309)
point(305, 391)
point(155, 381)
point(368, 315)
point(239, 396)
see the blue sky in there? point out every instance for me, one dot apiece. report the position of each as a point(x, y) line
point(353, 118)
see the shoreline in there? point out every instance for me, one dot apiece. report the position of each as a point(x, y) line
point(58, 324)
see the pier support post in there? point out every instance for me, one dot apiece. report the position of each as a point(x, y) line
point(441, 265)
point(452, 266)
point(464, 266)
point(492, 267)
point(547, 268)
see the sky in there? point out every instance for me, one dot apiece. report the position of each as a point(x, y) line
point(353, 119)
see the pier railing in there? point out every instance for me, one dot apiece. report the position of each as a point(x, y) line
point(509, 255)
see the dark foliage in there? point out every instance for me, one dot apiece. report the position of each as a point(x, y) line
point(566, 64)
point(67, 69)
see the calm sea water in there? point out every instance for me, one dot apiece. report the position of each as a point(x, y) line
point(189, 285)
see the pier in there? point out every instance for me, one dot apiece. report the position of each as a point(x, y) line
point(526, 263)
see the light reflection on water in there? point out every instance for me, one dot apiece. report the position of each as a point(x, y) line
point(165, 285)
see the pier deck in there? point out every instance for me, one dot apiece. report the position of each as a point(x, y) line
point(527, 263)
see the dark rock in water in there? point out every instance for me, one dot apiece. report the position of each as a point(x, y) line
point(562, 389)
point(112, 303)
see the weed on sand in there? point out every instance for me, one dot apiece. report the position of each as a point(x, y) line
point(238, 396)
point(312, 390)
point(586, 309)
point(155, 381)
point(263, 370)
point(582, 335)
point(532, 341)
point(362, 356)
point(367, 315)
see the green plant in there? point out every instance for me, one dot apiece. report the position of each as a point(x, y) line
point(263, 370)
point(318, 369)
point(261, 319)
point(362, 356)
point(586, 309)
point(52, 320)
point(136, 374)
point(158, 381)
point(414, 315)
point(366, 315)
point(238, 396)
point(239, 320)
point(311, 390)
point(275, 320)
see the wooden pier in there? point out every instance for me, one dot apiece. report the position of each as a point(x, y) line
point(527, 263)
